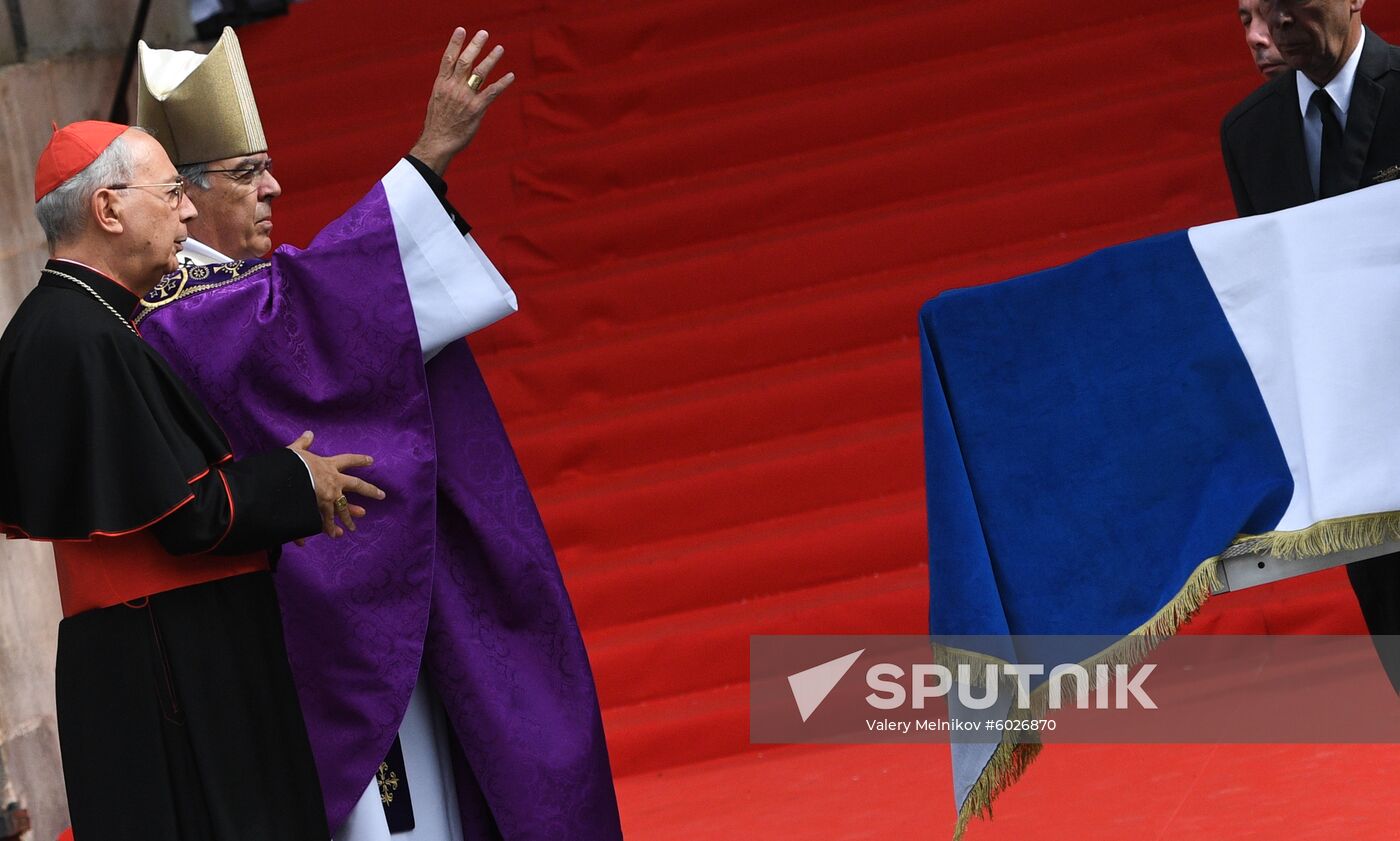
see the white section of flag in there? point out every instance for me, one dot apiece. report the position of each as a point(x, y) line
point(1313, 297)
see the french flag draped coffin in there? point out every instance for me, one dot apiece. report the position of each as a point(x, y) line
point(1097, 434)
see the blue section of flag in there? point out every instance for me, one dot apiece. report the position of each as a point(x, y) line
point(1093, 433)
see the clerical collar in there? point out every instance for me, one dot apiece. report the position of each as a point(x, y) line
point(197, 253)
point(1339, 88)
point(123, 300)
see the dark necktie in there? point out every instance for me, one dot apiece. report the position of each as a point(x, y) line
point(1329, 181)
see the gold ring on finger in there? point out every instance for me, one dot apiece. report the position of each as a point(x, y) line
point(341, 503)
point(474, 81)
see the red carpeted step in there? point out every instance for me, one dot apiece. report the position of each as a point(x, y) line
point(864, 792)
point(757, 560)
point(675, 84)
point(500, 181)
point(587, 168)
point(319, 39)
point(386, 92)
point(642, 737)
point(703, 649)
point(719, 415)
point(998, 145)
point(595, 372)
point(843, 180)
point(590, 305)
point(378, 80)
point(1080, 792)
point(589, 43)
point(950, 117)
point(768, 402)
point(938, 96)
point(816, 470)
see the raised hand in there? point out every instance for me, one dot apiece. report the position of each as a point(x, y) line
point(458, 101)
point(333, 483)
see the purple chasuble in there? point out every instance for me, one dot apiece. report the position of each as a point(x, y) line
point(453, 570)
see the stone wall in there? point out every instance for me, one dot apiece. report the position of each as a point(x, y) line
point(29, 614)
point(56, 28)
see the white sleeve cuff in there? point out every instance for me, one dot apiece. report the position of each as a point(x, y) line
point(454, 288)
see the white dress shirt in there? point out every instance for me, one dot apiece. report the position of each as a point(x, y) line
point(199, 254)
point(1340, 90)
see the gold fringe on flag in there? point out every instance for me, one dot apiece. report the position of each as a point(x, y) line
point(1015, 753)
point(1005, 767)
point(1326, 537)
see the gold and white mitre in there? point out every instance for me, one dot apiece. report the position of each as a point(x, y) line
point(200, 107)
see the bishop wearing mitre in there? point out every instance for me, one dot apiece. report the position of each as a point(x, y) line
point(445, 685)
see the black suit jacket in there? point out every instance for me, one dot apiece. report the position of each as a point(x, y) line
point(1262, 137)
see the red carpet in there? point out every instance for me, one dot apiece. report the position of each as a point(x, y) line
point(721, 217)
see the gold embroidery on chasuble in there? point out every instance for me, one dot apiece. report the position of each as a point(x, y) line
point(190, 280)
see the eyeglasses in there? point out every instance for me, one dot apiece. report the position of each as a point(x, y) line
point(248, 173)
point(174, 190)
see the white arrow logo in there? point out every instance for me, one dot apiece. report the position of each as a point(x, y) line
point(810, 687)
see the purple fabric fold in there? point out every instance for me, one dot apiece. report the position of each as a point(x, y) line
point(504, 649)
point(452, 571)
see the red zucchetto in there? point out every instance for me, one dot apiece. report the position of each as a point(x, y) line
point(69, 152)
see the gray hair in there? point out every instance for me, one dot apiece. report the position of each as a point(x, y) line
point(63, 212)
point(195, 175)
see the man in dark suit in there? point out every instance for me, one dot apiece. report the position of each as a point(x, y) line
point(1329, 127)
point(1282, 147)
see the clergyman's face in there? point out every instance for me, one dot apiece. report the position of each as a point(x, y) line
point(153, 219)
point(235, 210)
point(1313, 36)
point(1256, 37)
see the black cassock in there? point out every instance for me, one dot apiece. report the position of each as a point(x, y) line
point(177, 715)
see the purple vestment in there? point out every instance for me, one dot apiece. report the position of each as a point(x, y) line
point(453, 570)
